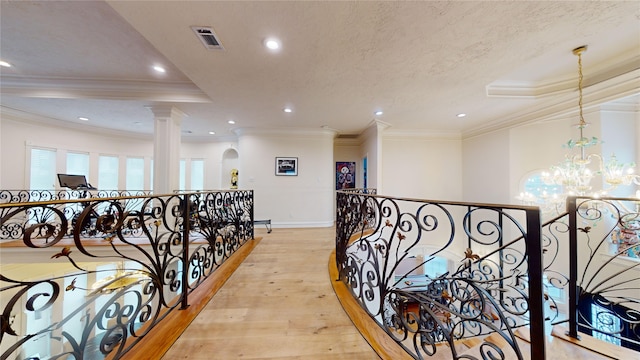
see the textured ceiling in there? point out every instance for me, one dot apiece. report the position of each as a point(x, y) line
point(420, 62)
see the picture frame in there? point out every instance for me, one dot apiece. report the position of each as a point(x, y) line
point(345, 175)
point(286, 166)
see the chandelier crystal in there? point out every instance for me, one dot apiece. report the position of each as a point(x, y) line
point(577, 171)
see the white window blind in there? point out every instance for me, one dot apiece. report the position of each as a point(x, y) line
point(183, 175)
point(78, 164)
point(135, 174)
point(197, 174)
point(43, 169)
point(108, 173)
point(151, 176)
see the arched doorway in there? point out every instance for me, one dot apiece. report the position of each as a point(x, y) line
point(229, 161)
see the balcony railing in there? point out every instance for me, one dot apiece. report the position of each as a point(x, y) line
point(592, 259)
point(434, 272)
point(99, 273)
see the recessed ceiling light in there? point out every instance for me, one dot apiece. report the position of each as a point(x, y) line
point(231, 122)
point(287, 110)
point(212, 132)
point(461, 115)
point(83, 118)
point(378, 113)
point(4, 64)
point(272, 43)
point(159, 69)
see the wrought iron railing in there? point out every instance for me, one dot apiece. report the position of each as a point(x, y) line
point(592, 263)
point(504, 271)
point(96, 280)
point(21, 196)
point(440, 272)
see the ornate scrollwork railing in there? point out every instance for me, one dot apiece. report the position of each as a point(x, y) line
point(120, 266)
point(593, 248)
point(441, 272)
point(22, 196)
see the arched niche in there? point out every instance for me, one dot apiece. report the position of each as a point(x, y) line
point(229, 161)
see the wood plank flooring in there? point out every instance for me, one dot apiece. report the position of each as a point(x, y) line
point(279, 304)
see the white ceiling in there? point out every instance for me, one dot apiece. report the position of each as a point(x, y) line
point(420, 62)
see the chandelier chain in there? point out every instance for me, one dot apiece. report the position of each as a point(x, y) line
point(582, 122)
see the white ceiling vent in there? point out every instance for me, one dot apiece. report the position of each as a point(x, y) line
point(207, 37)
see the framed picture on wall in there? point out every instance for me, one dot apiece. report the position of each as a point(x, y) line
point(286, 166)
point(345, 175)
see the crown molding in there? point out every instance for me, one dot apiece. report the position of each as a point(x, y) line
point(280, 132)
point(565, 103)
point(74, 88)
point(422, 134)
point(26, 117)
point(540, 90)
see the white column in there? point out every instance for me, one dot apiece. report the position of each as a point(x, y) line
point(166, 148)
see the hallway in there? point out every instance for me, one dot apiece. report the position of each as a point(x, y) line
point(279, 304)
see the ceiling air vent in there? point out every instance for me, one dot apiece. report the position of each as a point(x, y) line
point(207, 37)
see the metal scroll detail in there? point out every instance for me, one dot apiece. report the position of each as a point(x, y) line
point(608, 268)
point(125, 263)
point(435, 272)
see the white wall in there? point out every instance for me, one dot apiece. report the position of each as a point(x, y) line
point(485, 164)
point(371, 148)
point(18, 137)
point(619, 133)
point(423, 167)
point(289, 201)
point(215, 175)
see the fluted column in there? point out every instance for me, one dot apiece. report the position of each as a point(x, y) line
point(166, 148)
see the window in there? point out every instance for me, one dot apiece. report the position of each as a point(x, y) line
point(183, 166)
point(151, 176)
point(135, 174)
point(197, 174)
point(556, 293)
point(78, 164)
point(43, 169)
point(605, 321)
point(535, 189)
point(437, 266)
point(108, 173)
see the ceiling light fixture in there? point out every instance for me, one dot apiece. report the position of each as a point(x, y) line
point(574, 174)
point(4, 64)
point(212, 132)
point(272, 43)
point(159, 69)
point(461, 115)
point(378, 113)
point(287, 110)
point(83, 118)
point(231, 122)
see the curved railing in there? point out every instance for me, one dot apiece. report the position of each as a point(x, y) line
point(22, 196)
point(112, 268)
point(434, 272)
point(441, 272)
point(594, 249)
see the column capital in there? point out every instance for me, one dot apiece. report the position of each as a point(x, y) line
point(166, 111)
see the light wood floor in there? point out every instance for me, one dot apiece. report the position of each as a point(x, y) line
point(279, 304)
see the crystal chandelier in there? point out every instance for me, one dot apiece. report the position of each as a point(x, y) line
point(575, 173)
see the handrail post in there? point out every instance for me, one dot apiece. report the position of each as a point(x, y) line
point(251, 214)
point(573, 268)
point(536, 293)
point(186, 228)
